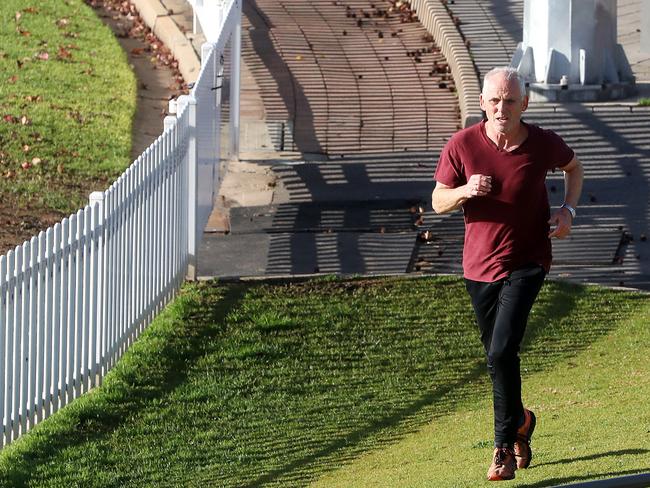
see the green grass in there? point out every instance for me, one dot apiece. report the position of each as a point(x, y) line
point(67, 116)
point(348, 383)
point(644, 102)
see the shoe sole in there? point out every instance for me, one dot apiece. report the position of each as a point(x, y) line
point(498, 478)
point(533, 423)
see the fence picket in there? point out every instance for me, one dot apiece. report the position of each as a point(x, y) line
point(61, 345)
point(18, 301)
point(33, 330)
point(4, 290)
point(51, 325)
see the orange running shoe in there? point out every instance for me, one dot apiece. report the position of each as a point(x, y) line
point(523, 452)
point(503, 465)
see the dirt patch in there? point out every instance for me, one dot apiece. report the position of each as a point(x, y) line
point(158, 80)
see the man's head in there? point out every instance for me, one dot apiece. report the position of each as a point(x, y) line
point(504, 99)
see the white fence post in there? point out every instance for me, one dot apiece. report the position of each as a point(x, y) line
point(192, 187)
point(235, 83)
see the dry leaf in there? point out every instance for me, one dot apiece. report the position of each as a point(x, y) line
point(59, 168)
point(26, 165)
point(24, 120)
point(63, 53)
point(12, 79)
point(36, 161)
point(62, 22)
point(18, 16)
point(43, 56)
point(30, 10)
point(26, 148)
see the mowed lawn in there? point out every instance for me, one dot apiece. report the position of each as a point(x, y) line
point(67, 99)
point(366, 382)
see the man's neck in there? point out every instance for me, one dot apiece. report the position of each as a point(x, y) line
point(506, 141)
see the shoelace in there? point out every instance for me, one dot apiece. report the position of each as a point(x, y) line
point(501, 455)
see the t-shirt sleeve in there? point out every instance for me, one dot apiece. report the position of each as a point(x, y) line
point(559, 153)
point(450, 170)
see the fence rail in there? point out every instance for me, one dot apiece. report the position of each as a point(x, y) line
point(75, 297)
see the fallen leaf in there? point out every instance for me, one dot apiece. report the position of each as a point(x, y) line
point(10, 119)
point(30, 10)
point(34, 98)
point(24, 33)
point(24, 120)
point(59, 168)
point(62, 22)
point(9, 174)
point(26, 165)
point(136, 51)
point(18, 16)
point(12, 79)
point(36, 161)
point(43, 56)
point(26, 148)
point(63, 53)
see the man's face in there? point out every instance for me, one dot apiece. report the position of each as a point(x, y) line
point(503, 104)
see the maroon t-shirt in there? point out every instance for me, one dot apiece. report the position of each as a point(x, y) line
point(508, 228)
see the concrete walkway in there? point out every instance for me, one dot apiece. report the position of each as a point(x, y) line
point(343, 196)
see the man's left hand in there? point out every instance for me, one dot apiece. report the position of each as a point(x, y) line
point(562, 221)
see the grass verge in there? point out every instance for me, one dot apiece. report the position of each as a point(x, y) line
point(280, 385)
point(67, 98)
point(644, 102)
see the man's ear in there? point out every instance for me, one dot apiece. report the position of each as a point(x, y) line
point(524, 104)
point(481, 102)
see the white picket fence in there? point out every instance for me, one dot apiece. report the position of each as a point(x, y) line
point(75, 297)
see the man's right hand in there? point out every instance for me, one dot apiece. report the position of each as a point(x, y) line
point(446, 199)
point(478, 186)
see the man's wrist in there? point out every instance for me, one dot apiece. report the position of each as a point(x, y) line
point(571, 210)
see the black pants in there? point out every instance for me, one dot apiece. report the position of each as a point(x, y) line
point(502, 310)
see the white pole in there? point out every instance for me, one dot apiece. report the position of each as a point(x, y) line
point(235, 83)
point(192, 193)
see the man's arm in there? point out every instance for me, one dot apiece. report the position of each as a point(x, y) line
point(446, 199)
point(561, 218)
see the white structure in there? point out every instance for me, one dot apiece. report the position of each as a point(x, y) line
point(569, 51)
point(645, 27)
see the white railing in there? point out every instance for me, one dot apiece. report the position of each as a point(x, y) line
point(74, 298)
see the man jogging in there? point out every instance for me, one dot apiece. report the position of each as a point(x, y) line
point(495, 171)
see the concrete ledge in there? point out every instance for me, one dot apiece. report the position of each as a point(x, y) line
point(541, 92)
point(155, 15)
point(435, 18)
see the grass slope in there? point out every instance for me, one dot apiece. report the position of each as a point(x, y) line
point(67, 98)
point(358, 383)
